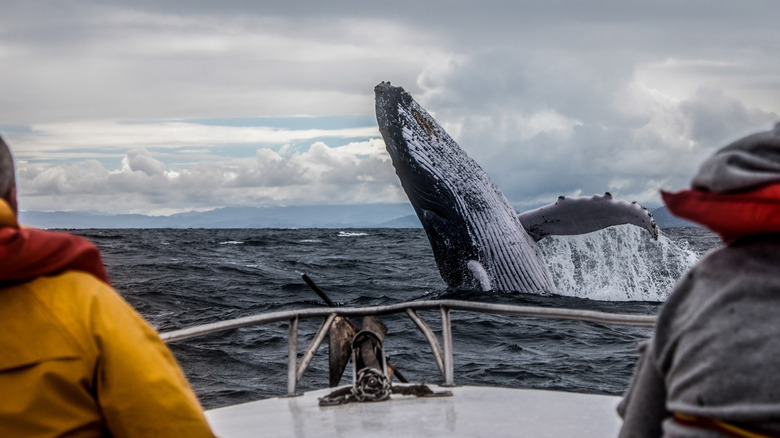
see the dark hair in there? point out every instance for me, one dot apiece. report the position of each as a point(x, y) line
point(7, 174)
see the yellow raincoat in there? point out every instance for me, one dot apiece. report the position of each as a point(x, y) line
point(76, 360)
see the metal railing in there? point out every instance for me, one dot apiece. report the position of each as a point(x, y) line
point(442, 354)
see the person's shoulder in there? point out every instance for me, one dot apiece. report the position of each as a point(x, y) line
point(759, 244)
point(77, 282)
point(756, 252)
point(71, 294)
point(745, 265)
point(65, 303)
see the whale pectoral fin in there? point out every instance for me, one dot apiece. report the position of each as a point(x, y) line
point(580, 215)
point(480, 275)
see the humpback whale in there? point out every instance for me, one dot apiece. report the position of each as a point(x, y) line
point(479, 242)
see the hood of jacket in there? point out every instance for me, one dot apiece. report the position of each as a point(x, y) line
point(736, 192)
point(29, 253)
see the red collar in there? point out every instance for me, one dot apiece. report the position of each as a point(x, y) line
point(731, 215)
point(28, 253)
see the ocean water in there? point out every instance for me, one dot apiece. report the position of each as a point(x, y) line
point(178, 278)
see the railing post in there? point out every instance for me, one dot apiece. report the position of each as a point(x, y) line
point(446, 334)
point(315, 344)
point(292, 357)
point(431, 337)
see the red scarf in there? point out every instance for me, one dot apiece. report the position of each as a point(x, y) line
point(28, 253)
point(731, 215)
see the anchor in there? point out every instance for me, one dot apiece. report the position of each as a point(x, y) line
point(372, 373)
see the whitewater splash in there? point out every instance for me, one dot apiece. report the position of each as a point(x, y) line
point(616, 264)
point(351, 234)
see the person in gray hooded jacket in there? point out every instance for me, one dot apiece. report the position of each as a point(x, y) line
point(712, 368)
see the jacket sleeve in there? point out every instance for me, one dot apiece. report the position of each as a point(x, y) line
point(643, 408)
point(139, 386)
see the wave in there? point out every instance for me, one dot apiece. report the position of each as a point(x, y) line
point(194, 280)
point(351, 234)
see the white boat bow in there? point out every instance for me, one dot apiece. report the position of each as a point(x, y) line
point(471, 411)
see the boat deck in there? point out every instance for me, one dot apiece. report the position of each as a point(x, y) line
point(471, 411)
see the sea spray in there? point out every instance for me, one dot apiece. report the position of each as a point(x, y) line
point(617, 264)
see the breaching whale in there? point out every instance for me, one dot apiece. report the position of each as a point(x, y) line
point(479, 242)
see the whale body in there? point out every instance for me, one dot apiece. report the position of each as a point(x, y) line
point(479, 242)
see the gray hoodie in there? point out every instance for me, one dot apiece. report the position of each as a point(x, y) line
point(716, 349)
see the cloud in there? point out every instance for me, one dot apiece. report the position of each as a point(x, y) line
point(355, 173)
point(139, 161)
point(101, 102)
point(540, 135)
point(715, 117)
point(45, 141)
point(93, 61)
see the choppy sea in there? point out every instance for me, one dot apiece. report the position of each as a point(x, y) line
point(178, 278)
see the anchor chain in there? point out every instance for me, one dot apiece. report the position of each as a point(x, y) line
point(371, 385)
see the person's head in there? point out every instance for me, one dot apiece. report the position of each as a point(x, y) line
point(736, 192)
point(748, 163)
point(7, 176)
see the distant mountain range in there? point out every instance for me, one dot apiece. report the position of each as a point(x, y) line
point(318, 216)
point(321, 216)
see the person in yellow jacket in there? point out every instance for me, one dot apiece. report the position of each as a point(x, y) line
point(75, 359)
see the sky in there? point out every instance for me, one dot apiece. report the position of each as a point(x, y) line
point(159, 107)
